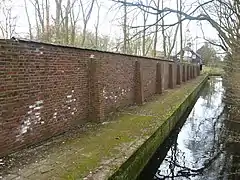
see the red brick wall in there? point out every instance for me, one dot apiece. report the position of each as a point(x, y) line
point(166, 75)
point(45, 88)
point(118, 80)
point(149, 77)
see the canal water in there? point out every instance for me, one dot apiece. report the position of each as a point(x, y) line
point(202, 146)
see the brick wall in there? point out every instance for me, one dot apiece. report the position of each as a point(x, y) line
point(118, 80)
point(149, 77)
point(46, 89)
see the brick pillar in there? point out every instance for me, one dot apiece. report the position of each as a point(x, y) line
point(159, 79)
point(138, 84)
point(198, 70)
point(183, 73)
point(188, 71)
point(96, 103)
point(194, 71)
point(191, 70)
point(170, 77)
point(174, 75)
point(179, 74)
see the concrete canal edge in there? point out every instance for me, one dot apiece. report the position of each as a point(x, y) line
point(131, 168)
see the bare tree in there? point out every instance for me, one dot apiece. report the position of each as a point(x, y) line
point(179, 8)
point(97, 23)
point(40, 17)
point(145, 17)
point(74, 19)
point(66, 22)
point(29, 21)
point(47, 7)
point(163, 33)
point(8, 22)
point(224, 16)
point(171, 42)
point(156, 31)
point(58, 17)
point(69, 21)
point(86, 14)
point(125, 28)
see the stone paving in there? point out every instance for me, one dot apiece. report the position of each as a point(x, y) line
point(94, 151)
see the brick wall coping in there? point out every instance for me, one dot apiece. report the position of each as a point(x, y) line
point(85, 49)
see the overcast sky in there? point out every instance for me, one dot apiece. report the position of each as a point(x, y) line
point(110, 20)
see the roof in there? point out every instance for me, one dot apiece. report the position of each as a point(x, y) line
point(187, 48)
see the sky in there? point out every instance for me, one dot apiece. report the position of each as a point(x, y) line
point(110, 20)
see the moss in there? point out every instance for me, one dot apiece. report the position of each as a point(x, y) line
point(103, 143)
point(138, 160)
point(139, 122)
point(125, 135)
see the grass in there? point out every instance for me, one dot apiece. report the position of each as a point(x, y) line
point(213, 70)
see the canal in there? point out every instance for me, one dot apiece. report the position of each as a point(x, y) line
point(203, 145)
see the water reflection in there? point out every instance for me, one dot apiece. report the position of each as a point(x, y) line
point(201, 148)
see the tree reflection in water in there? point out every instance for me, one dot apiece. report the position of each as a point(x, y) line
point(200, 150)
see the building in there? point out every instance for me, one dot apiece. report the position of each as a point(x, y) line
point(189, 56)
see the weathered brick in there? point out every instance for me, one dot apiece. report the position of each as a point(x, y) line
point(47, 89)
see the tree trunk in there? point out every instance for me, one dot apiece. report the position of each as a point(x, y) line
point(67, 22)
point(156, 32)
point(86, 17)
point(232, 84)
point(144, 34)
point(37, 24)
point(47, 20)
point(29, 22)
point(171, 47)
point(163, 35)
point(74, 20)
point(40, 19)
point(233, 78)
point(125, 28)
point(73, 35)
point(57, 20)
point(97, 25)
point(179, 6)
point(84, 34)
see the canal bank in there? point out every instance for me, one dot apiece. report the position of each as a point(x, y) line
point(203, 145)
point(118, 149)
point(132, 167)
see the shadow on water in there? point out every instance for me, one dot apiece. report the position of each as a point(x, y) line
point(203, 145)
